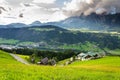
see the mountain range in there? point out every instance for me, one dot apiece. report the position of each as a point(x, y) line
point(91, 22)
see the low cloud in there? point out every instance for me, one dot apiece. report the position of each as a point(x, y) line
point(86, 7)
point(50, 10)
point(44, 1)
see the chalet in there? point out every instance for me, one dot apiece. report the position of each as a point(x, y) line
point(88, 56)
point(80, 56)
point(44, 61)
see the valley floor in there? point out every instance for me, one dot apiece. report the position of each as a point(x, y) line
point(107, 68)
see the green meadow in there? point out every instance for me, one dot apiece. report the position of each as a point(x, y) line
point(9, 41)
point(107, 68)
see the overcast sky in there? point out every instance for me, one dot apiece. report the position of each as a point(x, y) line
point(27, 11)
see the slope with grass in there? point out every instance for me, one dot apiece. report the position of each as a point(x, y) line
point(109, 63)
point(19, 59)
point(54, 37)
point(13, 70)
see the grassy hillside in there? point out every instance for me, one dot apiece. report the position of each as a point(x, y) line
point(53, 37)
point(6, 59)
point(107, 68)
point(108, 63)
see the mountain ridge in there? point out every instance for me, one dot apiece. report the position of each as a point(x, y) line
point(91, 22)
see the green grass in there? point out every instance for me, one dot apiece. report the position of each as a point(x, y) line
point(107, 68)
point(42, 29)
point(108, 63)
point(26, 43)
point(6, 59)
point(87, 46)
point(25, 57)
point(95, 31)
point(8, 41)
point(114, 52)
point(63, 61)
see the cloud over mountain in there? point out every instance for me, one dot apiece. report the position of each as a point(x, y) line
point(27, 11)
point(86, 7)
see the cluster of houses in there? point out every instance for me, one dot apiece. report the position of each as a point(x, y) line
point(89, 56)
point(86, 57)
point(10, 47)
point(80, 57)
point(24, 45)
point(45, 61)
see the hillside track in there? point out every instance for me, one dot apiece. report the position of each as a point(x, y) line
point(19, 59)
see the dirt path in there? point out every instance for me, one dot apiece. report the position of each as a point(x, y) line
point(19, 59)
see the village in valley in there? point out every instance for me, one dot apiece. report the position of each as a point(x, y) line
point(48, 61)
point(80, 57)
point(59, 39)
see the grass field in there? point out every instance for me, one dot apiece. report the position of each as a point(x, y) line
point(8, 41)
point(114, 52)
point(107, 68)
point(25, 57)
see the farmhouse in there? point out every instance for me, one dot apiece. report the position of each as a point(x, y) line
point(88, 56)
point(80, 56)
point(44, 61)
